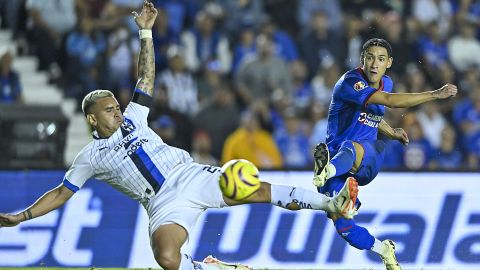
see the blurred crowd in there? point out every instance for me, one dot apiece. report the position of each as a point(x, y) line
point(253, 79)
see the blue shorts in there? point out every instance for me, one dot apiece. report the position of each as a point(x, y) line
point(374, 152)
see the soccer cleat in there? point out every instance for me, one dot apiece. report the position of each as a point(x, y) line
point(224, 266)
point(321, 156)
point(344, 201)
point(390, 260)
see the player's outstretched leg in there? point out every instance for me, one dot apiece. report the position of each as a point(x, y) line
point(388, 257)
point(212, 261)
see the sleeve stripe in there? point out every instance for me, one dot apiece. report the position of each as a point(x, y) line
point(141, 98)
point(70, 186)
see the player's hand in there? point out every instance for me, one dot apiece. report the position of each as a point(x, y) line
point(401, 136)
point(7, 220)
point(146, 19)
point(446, 91)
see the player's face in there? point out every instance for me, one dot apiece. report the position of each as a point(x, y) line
point(375, 63)
point(106, 116)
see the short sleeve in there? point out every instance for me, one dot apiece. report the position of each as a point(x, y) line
point(79, 172)
point(356, 90)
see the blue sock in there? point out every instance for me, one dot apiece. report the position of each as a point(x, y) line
point(355, 235)
point(344, 159)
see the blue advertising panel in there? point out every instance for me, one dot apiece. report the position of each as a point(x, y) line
point(433, 217)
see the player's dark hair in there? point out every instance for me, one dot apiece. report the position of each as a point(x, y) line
point(379, 42)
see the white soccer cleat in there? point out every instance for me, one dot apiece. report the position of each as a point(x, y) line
point(390, 260)
point(321, 157)
point(344, 201)
point(224, 266)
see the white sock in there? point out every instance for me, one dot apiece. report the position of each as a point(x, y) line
point(379, 248)
point(284, 195)
point(331, 170)
point(187, 263)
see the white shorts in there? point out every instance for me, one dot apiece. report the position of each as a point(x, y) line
point(188, 190)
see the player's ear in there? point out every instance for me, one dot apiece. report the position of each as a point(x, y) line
point(91, 119)
point(390, 62)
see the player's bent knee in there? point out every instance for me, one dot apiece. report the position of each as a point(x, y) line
point(168, 259)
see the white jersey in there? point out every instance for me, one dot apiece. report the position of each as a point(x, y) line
point(134, 160)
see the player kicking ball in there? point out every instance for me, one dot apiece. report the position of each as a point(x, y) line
point(133, 159)
point(355, 118)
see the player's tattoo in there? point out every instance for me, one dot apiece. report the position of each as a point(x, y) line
point(146, 66)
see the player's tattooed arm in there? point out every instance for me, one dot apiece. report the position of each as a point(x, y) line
point(146, 58)
point(393, 133)
point(146, 67)
point(51, 200)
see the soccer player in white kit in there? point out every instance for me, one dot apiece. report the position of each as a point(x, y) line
point(174, 190)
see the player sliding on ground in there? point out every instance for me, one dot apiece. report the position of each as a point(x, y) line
point(354, 119)
point(174, 190)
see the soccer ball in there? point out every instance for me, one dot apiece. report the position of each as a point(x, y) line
point(239, 179)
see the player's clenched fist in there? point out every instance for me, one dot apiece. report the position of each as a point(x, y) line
point(446, 91)
point(7, 220)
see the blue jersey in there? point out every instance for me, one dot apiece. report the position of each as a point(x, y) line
point(349, 115)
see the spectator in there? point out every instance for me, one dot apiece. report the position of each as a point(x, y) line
point(463, 48)
point(293, 142)
point(205, 43)
point(331, 8)
point(419, 152)
point(432, 123)
point(351, 43)
point(201, 149)
point(10, 86)
point(318, 115)
point(448, 156)
point(320, 45)
point(179, 83)
point(226, 115)
point(241, 13)
point(429, 11)
point(393, 28)
point(432, 48)
point(182, 124)
point(164, 126)
point(121, 54)
point(50, 21)
point(260, 75)
point(473, 152)
point(302, 89)
point(163, 38)
point(283, 43)
point(9, 12)
point(83, 49)
point(250, 142)
point(466, 115)
point(245, 47)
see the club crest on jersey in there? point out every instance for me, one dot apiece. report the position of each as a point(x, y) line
point(359, 85)
point(127, 125)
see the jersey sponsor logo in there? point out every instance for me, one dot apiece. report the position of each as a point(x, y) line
point(128, 126)
point(360, 85)
point(371, 120)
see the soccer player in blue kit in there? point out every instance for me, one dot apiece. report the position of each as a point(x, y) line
point(355, 118)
